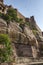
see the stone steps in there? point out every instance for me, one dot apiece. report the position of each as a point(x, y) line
point(28, 61)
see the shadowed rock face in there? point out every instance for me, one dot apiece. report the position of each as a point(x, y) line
point(24, 50)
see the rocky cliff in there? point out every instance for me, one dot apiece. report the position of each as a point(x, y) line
point(25, 35)
point(26, 40)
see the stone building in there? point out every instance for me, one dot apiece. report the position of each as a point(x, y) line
point(3, 8)
point(19, 15)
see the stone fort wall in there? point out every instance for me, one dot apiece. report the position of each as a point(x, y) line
point(19, 15)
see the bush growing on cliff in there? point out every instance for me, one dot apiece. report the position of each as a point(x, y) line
point(20, 20)
point(6, 17)
point(12, 13)
point(27, 23)
point(5, 48)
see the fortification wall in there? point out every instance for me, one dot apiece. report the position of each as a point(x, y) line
point(19, 15)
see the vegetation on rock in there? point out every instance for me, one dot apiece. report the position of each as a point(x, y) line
point(11, 15)
point(26, 33)
point(5, 48)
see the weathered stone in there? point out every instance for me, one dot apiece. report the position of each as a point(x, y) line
point(4, 63)
point(23, 50)
point(15, 33)
point(3, 26)
point(26, 46)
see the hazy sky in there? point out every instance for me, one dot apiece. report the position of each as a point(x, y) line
point(29, 8)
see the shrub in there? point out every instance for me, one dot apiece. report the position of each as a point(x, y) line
point(20, 20)
point(7, 50)
point(7, 17)
point(10, 16)
point(12, 12)
point(28, 23)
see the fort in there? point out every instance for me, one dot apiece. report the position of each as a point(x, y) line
point(4, 8)
point(26, 45)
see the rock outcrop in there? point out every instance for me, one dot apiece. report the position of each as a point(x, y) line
point(3, 26)
point(26, 39)
point(24, 42)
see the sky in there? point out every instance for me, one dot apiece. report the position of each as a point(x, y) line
point(29, 8)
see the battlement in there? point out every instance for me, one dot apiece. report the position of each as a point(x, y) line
point(27, 19)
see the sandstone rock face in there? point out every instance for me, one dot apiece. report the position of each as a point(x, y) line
point(24, 50)
point(26, 39)
point(30, 36)
point(4, 64)
point(25, 44)
point(14, 26)
point(3, 26)
point(15, 33)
